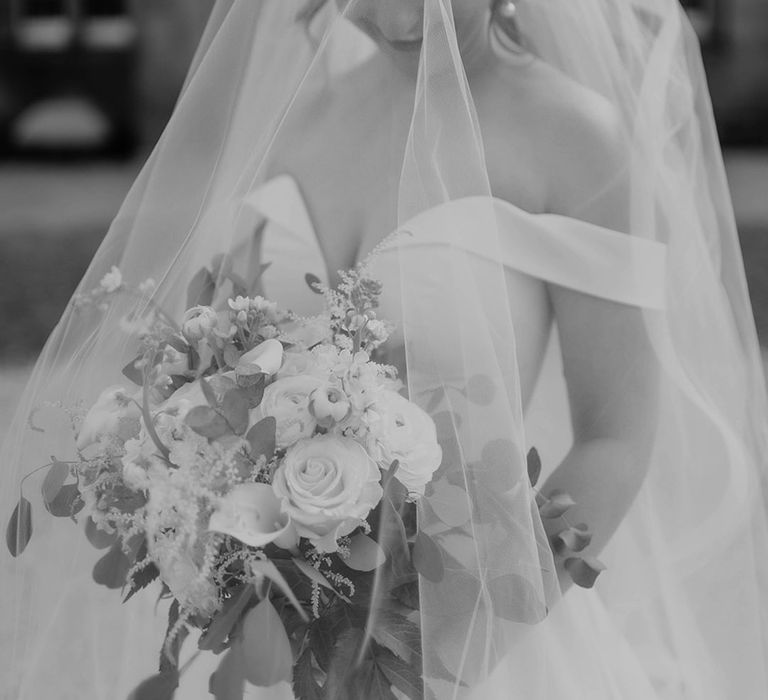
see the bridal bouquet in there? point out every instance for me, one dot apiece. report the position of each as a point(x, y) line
point(263, 469)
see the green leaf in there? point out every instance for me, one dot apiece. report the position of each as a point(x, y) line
point(19, 530)
point(450, 503)
point(262, 438)
point(201, 289)
point(67, 502)
point(343, 679)
point(571, 539)
point(558, 503)
point(97, 537)
point(265, 646)
point(501, 466)
point(515, 598)
point(54, 479)
point(141, 579)
point(480, 390)
point(161, 686)
point(405, 677)
point(268, 569)
point(398, 634)
point(312, 574)
point(111, 570)
point(427, 558)
point(179, 344)
point(215, 637)
point(584, 571)
point(234, 408)
point(254, 390)
point(407, 594)
point(305, 687)
point(134, 373)
point(207, 422)
point(534, 466)
point(364, 554)
point(209, 393)
point(228, 681)
point(313, 282)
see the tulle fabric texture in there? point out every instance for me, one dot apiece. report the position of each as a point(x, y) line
point(681, 611)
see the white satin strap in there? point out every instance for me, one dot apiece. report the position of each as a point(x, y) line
point(557, 249)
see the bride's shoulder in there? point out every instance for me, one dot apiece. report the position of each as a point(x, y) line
point(570, 135)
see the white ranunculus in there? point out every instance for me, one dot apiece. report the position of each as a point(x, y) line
point(268, 355)
point(198, 323)
point(407, 434)
point(113, 408)
point(329, 404)
point(251, 514)
point(287, 401)
point(328, 486)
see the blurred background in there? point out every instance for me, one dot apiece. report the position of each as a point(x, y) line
point(87, 85)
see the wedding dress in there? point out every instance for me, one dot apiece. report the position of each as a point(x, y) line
point(680, 611)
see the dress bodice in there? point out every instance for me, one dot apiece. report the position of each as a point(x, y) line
point(556, 249)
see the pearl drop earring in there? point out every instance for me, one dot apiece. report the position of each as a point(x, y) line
point(507, 9)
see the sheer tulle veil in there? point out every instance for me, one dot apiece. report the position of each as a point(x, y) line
point(686, 581)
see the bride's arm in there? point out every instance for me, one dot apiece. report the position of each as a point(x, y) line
point(610, 367)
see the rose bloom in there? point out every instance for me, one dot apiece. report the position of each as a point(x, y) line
point(199, 322)
point(287, 401)
point(407, 434)
point(327, 486)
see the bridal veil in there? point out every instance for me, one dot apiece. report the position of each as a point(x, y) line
point(687, 576)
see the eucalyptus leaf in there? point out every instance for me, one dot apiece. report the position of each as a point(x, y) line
point(234, 408)
point(161, 686)
point(313, 282)
point(101, 539)
point(67, 502)
point(228, 681)
point(215, 636)
point(427, 558)
point(262, 438)
point(209, 393)
point(571, 539)
point(54, 479)
point(265, 646)
point(534, 466)
point(201, 289)
point(133, 372)
point(365, 554)
point(480, 390)
point(584, 571)
point(254, 389)
point(207, 422)
point(515, 598)
point(19, 530)
point(558, 503)
point(450, 503)
point(179, 344)
point(112, 569)
point(501, 465)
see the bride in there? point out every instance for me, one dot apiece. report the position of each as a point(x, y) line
point(540, 191)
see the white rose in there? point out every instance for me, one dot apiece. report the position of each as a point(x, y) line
point(287, 401)
point(407, 434)
point(113, 410)
point(327, 485)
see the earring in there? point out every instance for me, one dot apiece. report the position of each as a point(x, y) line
point(506, 9)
